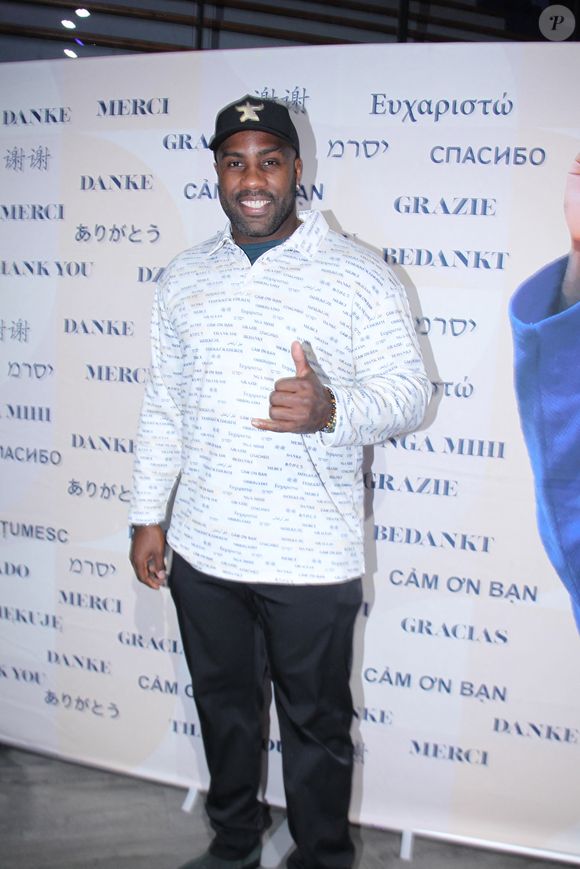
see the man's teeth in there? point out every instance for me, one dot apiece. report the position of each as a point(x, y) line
point(255, 203)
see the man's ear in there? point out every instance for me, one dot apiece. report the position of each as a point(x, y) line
point(298, 168)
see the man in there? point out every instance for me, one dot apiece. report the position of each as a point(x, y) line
point(545, 316)
point(279, 348)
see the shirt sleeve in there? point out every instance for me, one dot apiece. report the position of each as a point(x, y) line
point(159, 439)
point(547, 383)
point(391, 389)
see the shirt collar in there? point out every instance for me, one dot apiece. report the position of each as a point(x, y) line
point(306, 239)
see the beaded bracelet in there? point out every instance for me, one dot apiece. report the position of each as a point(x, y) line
point(331, 423)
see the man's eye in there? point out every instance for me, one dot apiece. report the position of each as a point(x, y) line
point(233, 164)
point(270, 162)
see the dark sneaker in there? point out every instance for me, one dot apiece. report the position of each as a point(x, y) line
point(210, 861)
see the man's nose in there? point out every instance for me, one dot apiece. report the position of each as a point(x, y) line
point(254, 175)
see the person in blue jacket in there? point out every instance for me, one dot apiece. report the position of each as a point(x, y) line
point(545, 318)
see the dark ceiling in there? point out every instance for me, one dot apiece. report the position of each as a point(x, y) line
point(32, 30)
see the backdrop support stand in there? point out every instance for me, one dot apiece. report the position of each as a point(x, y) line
point(189, 800)
point(407, 838)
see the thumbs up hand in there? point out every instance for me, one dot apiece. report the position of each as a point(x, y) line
point(572, 203)
point(298, 404)
point(570, 294)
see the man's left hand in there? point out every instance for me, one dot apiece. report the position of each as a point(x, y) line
point(572, 203)
point(298, 404)
point(571, 283)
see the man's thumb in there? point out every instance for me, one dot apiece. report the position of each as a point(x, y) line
point(300, 361)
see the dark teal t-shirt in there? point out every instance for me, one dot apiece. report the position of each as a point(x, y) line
point(257, 248)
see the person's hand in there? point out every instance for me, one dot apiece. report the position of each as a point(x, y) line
point(298, 404)
point(148, 555)
point(572, 203)
point(570, 294)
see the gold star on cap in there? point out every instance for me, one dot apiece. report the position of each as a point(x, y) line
point(248, 111)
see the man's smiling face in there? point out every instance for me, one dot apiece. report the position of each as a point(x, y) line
point(258, 174)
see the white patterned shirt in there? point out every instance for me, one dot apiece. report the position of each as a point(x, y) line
point(254, 505)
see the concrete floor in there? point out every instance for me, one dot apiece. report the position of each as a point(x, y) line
point(56, 815)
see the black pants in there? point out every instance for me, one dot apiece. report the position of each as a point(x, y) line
point(229, 629)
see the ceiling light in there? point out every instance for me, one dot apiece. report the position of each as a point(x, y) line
point(83, 13)
point(79, 42)
point(70, 25)
point(70, 53)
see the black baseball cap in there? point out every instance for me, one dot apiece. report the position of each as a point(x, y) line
point(252, 113)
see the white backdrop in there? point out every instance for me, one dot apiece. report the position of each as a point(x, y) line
point(450, 162)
